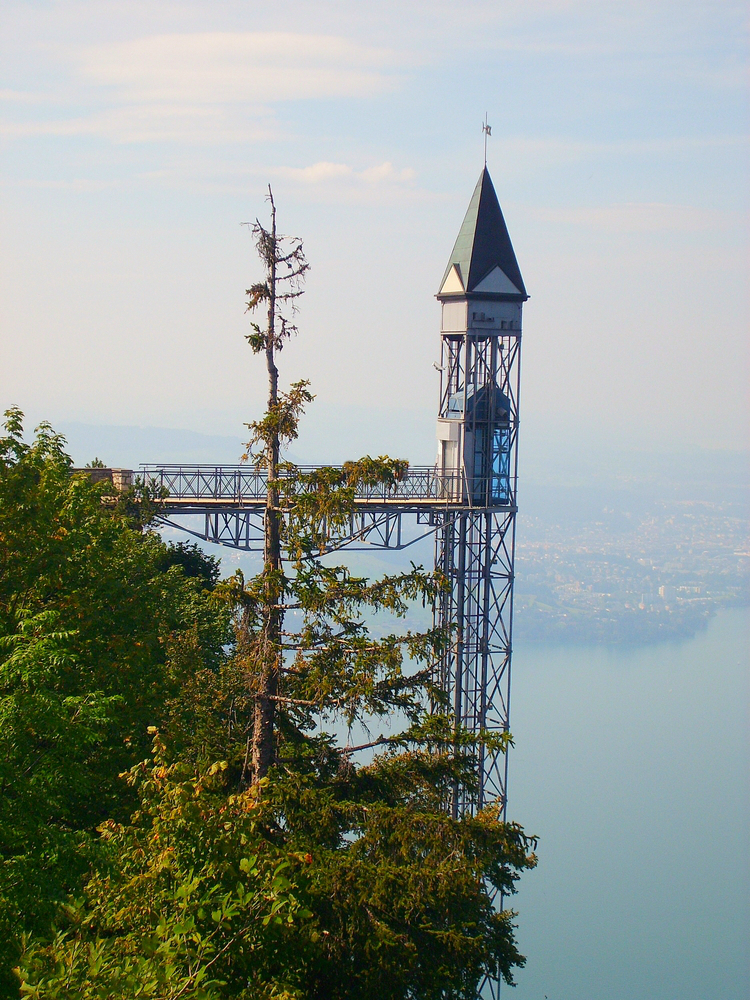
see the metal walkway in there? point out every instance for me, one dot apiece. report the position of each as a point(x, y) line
point(230, 500)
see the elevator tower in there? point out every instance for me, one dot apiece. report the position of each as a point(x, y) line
point(482, 295)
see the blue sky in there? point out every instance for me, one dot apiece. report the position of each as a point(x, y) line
point(137, 136)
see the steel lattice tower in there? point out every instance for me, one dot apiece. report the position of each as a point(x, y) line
point(482, 296)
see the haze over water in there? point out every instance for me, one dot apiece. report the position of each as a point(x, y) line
point(631, 764)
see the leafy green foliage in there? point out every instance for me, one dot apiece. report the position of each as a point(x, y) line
point(328, 878)
point(326, 885)
point(281, 420)
point(193, 561)
point(91, 616)
point(189, 901)
point(401, 892)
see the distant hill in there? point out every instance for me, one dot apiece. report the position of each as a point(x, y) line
point(127, 447)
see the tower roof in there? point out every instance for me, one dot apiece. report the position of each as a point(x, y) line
point(483, 260)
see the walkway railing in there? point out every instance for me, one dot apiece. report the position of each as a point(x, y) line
point(245, 486)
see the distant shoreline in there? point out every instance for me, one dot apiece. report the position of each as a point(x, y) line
point(656, 633)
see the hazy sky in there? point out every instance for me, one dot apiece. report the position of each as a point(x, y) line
point(137, 136)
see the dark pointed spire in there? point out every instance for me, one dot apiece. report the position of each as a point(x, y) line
point(483, 260)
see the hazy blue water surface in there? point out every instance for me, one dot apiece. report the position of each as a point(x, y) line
point(632, 766)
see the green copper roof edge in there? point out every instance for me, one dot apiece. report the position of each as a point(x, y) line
point(470, 244)
point(468, 229)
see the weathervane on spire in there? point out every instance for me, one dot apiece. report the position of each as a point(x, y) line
point(487, 129)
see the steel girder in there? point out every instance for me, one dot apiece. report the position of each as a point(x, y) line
point(367, 529)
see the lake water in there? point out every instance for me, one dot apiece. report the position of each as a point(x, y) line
point(632, 767)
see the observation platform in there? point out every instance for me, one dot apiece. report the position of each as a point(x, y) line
point(229, 502)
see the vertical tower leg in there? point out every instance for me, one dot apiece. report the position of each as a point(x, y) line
point(475, 550)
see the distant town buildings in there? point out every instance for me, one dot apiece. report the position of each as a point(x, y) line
point(663, 576)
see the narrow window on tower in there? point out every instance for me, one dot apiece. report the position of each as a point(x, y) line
point(501, 465)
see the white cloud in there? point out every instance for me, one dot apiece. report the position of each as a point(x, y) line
point(326, 173)
point(635, 217)
point(24, 97)
point(317, 173)
point(211, 67)
point(158, 123)
point(560, 149)
point(205, 87)
point(386, 172)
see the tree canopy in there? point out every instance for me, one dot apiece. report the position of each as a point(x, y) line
point(99, 627)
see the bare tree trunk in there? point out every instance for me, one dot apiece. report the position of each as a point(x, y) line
point(270, 639)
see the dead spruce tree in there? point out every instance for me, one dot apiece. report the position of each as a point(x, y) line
point(286, 267)
point(332, 665)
